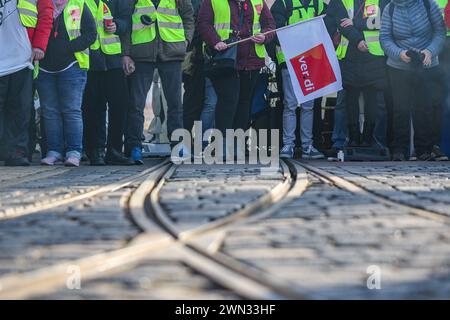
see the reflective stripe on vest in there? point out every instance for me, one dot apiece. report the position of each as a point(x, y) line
point(28, 12)
point(222, 21)
point(442, 4)
point(372, 11)
point(108, 43)
point(72, 19)
point(170, 24)
point(299, 13)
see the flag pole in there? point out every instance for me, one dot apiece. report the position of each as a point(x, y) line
point(275, 30)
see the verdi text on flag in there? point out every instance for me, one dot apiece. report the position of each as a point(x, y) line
point(311, 59)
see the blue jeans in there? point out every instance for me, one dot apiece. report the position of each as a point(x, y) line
point(340, 131)
point(61, 96)
point(209, 108)
point(445, 144)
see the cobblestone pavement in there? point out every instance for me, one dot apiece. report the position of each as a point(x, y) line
point(66, 232)
point(331, 241)
point(328, 243)
point(195, 195)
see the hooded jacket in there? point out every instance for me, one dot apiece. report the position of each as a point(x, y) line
point(39, 36)
point(410, 27)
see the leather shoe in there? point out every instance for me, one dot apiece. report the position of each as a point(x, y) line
point(97, 157)
point(116, 158)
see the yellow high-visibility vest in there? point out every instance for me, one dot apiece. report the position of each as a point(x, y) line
point(299, 13)
point(108, 43)
point(373, 12)
point(28, 12)
point(72, 19)
point(222, 21)
point(170, 24)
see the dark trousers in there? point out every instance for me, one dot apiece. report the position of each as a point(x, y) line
point(234, 99)
point(412, 96)
point(370, 105)
point(194, 95)
point(16, 101)
point(105, 90)
point(139, 83)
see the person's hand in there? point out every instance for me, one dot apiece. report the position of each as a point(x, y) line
point(37, 54)
point(346, 22)
point(362, 46)
point(220, 46)
point(259, 38)
point(128, 65)
point(428, 56)
point(404, 57)
point(112, 28)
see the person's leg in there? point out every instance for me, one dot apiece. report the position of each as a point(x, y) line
point(193, 96)
point(48, 95)
point(4, 85)
point(139, 84)
point(352, 111)
point(248, 82)
point(32, 132)
point(401, 94)
point(17, 117)
point(209, 106)
point(380, 130)
point(116, 91)
point(227, 90)
point(422, 93)
point(70, 86)
point(371, 106)
point(290, 104)
point(339, 136)
point(306, 123)
point(170, 73)
point(94, 118)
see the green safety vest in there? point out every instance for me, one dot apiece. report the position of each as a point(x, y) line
point(222, 21)
point(72, 19)
point(442, 4)
point(372, 37)
point(170, 24)
point(108, 43)
point(28, 12)
point(299, 13)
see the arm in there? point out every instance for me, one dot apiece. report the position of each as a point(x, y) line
point(438, 39)
point(88, 32)
point(267, 23)
point(354, 35)
point(390, 48)
point(44, 25)
point(122, 17)
point(206, 24)
point(125, 38)
point(187, 15)
point(280, 15)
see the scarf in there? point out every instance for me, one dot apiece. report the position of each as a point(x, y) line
point(59, 7)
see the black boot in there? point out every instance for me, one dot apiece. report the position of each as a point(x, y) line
point(97, 157)
point(354, 136)
point(367, 135)
point(115, 158)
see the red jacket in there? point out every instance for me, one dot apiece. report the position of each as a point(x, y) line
point(246, 56)
point(447, 15)
point(39, 36)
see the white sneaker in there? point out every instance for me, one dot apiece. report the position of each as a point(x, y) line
point(311, 153)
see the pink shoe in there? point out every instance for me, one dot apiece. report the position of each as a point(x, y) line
point(50, 161)
point(72, 162)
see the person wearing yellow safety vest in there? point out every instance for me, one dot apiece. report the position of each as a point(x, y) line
point(363, 69)
point(159, 34)
point(62, 79)
point(106, 87)
point(221, 21)
point(287, 12)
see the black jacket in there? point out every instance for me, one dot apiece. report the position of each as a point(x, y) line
point(359, 69)
point(60, 50)
point(99, 60)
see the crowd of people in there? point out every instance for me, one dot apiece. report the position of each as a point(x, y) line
point(92, 65)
